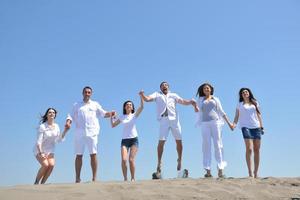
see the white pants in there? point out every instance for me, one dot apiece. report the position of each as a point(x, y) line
point(212, 130)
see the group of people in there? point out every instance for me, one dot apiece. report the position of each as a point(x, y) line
point(211, 116)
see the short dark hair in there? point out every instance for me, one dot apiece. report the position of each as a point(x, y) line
point(200, 92)
point(163, 83)
point(87, 87)
point(124, 104)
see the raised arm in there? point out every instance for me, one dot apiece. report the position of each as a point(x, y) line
point(113, 122)
point(189, 102)
point(140, 109)
point(109, 114)
point(145, 98)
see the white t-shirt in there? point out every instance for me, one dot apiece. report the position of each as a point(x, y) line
point(248, 115)
point(85, 116)
point(129, 129)
point(164, 102)
point(47, 137)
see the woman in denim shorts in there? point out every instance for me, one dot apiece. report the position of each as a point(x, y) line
point(249, 117)
point(129, 143)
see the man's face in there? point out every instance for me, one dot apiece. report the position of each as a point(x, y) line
point(164, 87)
point(87, 93)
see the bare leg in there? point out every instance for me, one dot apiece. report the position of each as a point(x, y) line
point(179, 153)
point(94, 165)
point(42, 170)
point(248, 143)
point(256, 148)
point(133, 152)
point(124, 154)
point(78, 165)
point(51, 163)
point(160, 150)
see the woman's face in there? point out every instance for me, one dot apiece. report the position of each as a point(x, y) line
point(128, 107)
point(50, 114)
point(206, 90)
point(245, 94)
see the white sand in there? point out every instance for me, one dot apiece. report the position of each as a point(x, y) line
point(238, 188)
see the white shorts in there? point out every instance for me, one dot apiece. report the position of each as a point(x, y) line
point(90, 141)
point(166, 125)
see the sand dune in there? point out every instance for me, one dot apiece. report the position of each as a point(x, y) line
point(237, 188)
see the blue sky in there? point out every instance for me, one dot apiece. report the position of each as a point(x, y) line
point(50, 50)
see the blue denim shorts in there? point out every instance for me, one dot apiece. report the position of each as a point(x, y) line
point(130, 142)
point(252, 133)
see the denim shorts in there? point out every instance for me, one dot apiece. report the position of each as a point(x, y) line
point(130, 142)
point(252, 133)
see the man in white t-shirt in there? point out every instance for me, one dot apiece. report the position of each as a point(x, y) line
point(168, 118)
point(85, 115)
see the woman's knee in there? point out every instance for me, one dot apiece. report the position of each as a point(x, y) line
point(249, 150)
point(131, 160)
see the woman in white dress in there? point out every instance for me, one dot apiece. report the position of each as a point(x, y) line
point(48, 135)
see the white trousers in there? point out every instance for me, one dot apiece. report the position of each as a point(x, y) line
point(212, 131)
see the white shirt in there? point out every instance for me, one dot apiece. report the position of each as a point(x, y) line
point(47, 137)
point(85, 116)
point(248, 115)
point(164, 102)
point(218, 109)
point(129, 129)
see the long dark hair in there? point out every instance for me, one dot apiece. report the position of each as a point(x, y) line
point(200, 92)
point(124, 104)
point(251, 98)
point(44, 117)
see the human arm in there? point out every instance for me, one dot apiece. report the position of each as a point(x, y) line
point(189, 102)
point(145, 98)
point(222, 113)
point(236, 118)
point(113, 122)
point(260, 120)
point(39, 142)
point(109, 114)
point(228, 122)
point(141, 107)
point(68, 124)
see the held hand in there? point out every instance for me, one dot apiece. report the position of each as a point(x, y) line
point(113, 113)
point(67, 126)
point(232, 126)
point(42, 155)
point(141, 93)
point(196, 108)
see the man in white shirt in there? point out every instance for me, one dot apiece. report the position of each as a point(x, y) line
point(168, 117)
point(85, 115)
